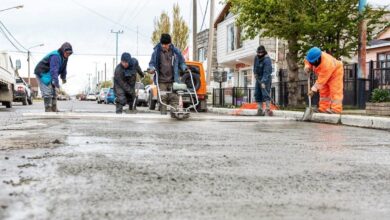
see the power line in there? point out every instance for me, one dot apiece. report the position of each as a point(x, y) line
point(10, 34)
point(106, 18)
point(204, 16)
point(9, 40)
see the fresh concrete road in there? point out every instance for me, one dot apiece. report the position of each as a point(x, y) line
point(209, 167)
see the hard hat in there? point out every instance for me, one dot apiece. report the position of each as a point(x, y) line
point(313, 54)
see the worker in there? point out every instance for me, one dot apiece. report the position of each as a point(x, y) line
point(47, 72)
point(262, 70)
point(167, 60)
point(125, 77)
point(330, 73)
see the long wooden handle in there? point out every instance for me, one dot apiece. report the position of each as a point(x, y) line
point(308, 90)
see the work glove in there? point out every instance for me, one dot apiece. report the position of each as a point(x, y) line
point(262, 85)
point(63, 81)
point(151, 71)
point(311, 93)
point(307, 70)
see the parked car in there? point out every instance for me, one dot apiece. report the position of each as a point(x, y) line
point(110, 97)
point(82, 97)
point(142, 99)
point(151, 92)
point(91, 97)
point(7, 79)
point(102, 95)
point(22, 92)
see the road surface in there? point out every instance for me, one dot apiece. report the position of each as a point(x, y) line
point(158, 168)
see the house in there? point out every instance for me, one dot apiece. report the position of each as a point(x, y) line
point(237, 55)
point(202, 43)
point(378, 50)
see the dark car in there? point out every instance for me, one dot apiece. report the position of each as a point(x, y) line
point(22, 92)
point(110, 97)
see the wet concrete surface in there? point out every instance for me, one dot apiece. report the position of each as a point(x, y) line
point(140, 168)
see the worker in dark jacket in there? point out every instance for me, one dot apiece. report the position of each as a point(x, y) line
point(125, 78)
point(167, 60)
point(47, 72)
point(262, 70)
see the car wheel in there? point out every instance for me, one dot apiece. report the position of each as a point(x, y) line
point(7, 104)
point(30, 101)
point(24, 102)
point(152, 103)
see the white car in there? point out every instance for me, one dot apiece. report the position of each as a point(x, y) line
point(142, 99)
point(91, 97)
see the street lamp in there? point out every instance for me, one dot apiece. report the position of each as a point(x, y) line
point(15, 7)
point(28, 60)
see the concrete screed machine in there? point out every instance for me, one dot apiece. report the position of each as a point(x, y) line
point(179, 112)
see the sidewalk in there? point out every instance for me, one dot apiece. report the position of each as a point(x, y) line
point(350, 118)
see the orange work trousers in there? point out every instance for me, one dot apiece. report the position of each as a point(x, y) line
point(331, 94)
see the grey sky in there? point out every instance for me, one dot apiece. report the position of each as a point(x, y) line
point(86, 24)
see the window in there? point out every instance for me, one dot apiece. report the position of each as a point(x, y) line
point(234, 40)
point(202, 54)
point(384, 60)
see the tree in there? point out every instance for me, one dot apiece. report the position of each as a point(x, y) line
point(106, 84)
point(330, 25)
point(180, 30)
point(161, 25)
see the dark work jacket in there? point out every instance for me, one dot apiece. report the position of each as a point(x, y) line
point(262, 67)
point(125, 79)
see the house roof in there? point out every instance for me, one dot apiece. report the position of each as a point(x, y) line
point(34, 81)
point(222, 15)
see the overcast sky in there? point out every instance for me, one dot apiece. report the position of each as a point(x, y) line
point(86, 24)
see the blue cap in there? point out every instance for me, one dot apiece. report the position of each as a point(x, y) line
point(313, 54)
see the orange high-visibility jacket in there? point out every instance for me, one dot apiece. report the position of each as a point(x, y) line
point(328, 67)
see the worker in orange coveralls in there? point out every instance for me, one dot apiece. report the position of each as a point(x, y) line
point(330, 72)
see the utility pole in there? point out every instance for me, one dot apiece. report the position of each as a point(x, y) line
point(194, 30)
point(362, 42)
point(28, 60)
point(105, 71)
point(211, 42)
point(117, 39)
point(137, 41)
point(89, 82)
point(362, 71)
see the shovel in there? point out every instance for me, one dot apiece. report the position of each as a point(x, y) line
point(309, 110)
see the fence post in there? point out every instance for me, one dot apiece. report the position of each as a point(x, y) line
point(281, 98)
point(234, 101)
point(214, 97)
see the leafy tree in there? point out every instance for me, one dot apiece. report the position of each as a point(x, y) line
point(328, 24)
point(180, 30)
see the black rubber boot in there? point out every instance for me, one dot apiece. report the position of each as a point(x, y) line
point(47, 103)
point(54, 105)
point(119, 108)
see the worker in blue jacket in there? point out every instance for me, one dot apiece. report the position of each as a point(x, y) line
point(47, 72)
point(262, 70)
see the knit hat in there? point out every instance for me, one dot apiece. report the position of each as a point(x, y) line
point(165, 39)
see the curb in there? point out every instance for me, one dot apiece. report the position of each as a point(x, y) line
point(348, 120)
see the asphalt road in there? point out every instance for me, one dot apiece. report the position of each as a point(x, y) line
point(158, 168)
